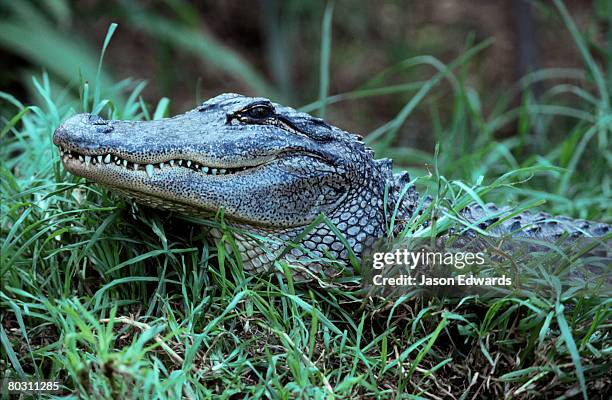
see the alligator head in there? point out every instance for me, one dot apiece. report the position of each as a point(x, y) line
point(272, 169)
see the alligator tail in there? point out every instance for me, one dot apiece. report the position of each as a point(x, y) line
point(539, 225)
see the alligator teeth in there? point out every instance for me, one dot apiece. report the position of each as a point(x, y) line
point(149, 168)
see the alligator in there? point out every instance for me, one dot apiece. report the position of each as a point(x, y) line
point(273, 170)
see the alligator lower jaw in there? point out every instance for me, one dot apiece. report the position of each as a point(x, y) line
point(150, 184)
point(132, 181)
point(77, 162)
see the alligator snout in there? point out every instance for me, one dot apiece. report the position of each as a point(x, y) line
point(81, 128)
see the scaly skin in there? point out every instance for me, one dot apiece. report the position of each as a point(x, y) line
point(272, 169)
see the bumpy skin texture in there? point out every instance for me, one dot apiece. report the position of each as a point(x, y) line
point(272, 169)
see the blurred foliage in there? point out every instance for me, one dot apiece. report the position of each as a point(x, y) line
point(189, 51)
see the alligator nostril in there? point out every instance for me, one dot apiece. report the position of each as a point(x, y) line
point(101, 125)
point(104, 128)
point(96, 119)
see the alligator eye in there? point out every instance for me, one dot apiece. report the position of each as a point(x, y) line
point(260, 112)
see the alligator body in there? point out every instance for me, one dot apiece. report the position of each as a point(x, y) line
point(272, 169)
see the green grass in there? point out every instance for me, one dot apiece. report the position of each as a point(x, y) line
point(119, 302)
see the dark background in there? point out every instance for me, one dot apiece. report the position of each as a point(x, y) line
point(190, 51)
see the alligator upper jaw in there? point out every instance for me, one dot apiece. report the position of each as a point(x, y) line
point(169, 142)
